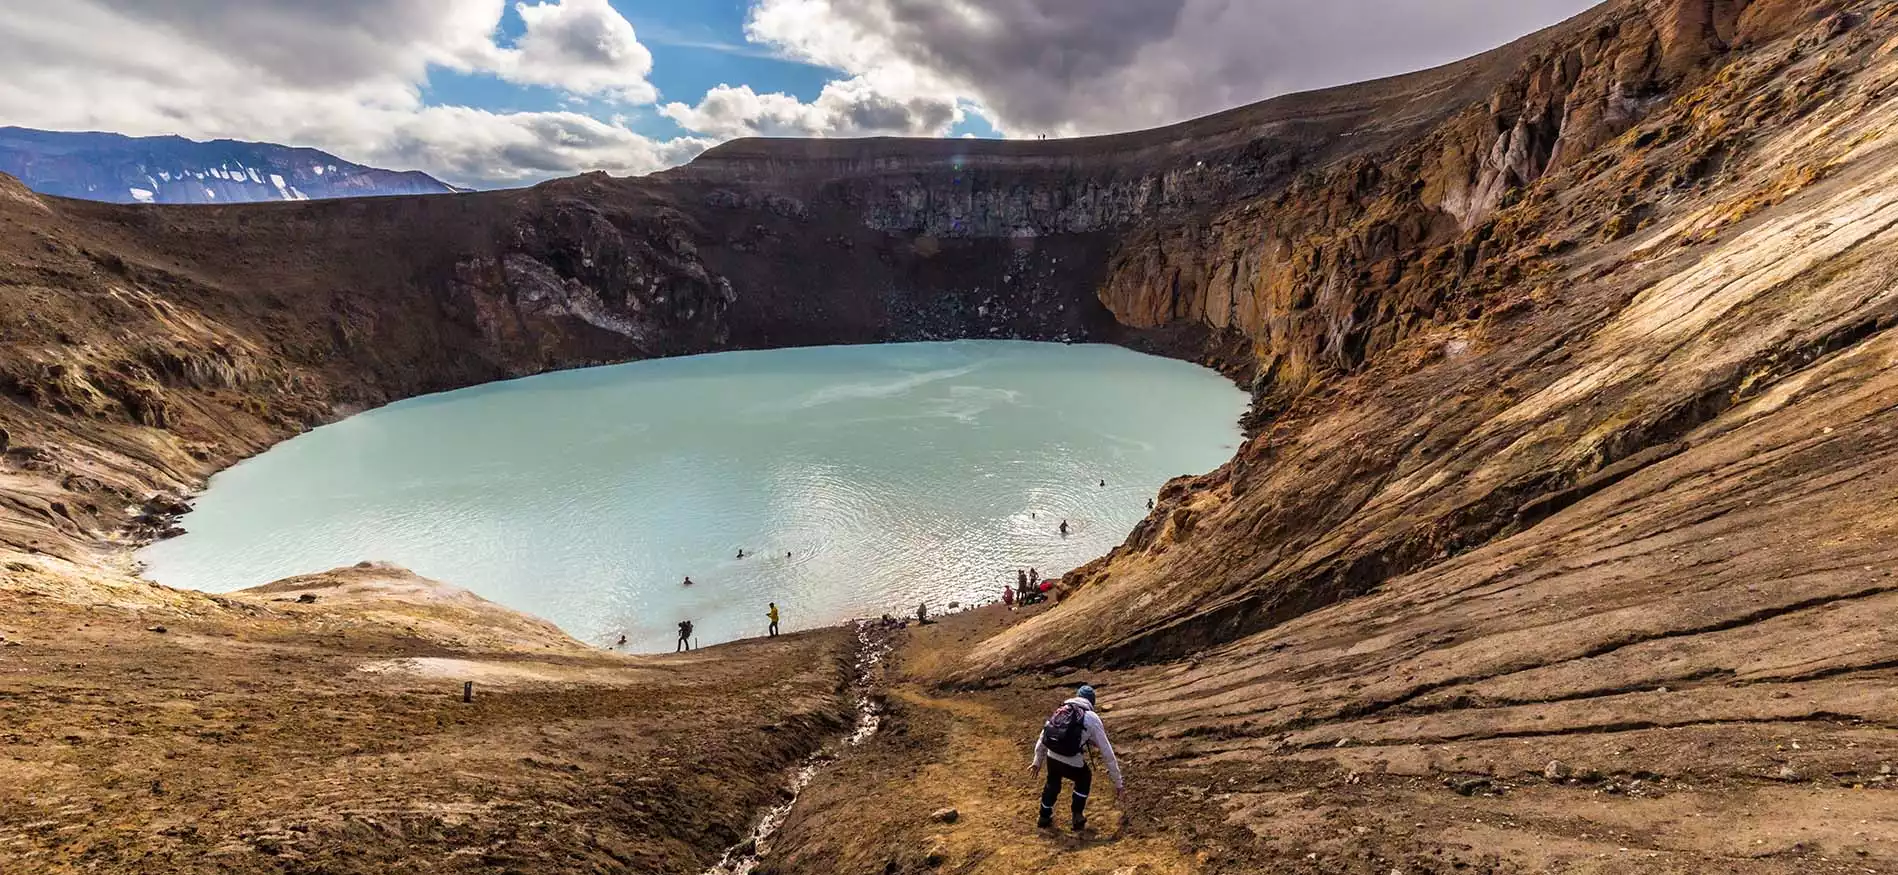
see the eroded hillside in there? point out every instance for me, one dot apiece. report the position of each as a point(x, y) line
point(1617, 309)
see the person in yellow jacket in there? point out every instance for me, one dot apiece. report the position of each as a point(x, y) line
point(773, 614)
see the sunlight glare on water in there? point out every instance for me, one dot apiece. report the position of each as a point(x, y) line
point(864, 479)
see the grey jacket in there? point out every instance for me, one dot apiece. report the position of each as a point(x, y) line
point(1094, 733)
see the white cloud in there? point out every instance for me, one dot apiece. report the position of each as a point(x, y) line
point(344, 76)
point(847, 108)
point(1110, 65)
point(579, 46)
point(468, 143)
point(348, 76)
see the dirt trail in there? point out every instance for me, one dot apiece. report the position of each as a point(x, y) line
point(969, 751)
point(983, 777)
point(1660, 800)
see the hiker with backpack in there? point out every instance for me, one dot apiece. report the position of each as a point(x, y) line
point(1063, 747)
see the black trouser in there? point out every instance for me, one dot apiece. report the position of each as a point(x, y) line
point(1083, 779)
point(684, 644)
point(774, 628)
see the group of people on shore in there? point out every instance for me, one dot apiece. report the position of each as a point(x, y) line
point(685, 626)
point(685, 629)
point(1029, 589)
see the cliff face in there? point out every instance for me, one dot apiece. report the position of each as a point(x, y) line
point(1337, 266)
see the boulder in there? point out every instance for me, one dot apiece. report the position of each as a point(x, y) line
point(163, 504)
point(945, 815)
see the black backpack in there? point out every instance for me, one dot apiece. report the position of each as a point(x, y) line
point(1066, 730)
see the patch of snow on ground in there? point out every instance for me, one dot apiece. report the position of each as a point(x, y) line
point(141, 195)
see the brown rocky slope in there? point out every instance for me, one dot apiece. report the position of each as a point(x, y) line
point(1572, 362)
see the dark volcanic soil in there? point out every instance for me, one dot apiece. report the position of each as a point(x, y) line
point(257, 734)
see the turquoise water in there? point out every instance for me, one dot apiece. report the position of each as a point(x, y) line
point(888, 474)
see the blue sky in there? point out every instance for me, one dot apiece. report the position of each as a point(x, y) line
point(696, 45)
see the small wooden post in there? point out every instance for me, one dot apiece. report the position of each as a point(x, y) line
point(467, 691)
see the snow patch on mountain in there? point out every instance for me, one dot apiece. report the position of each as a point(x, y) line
point(111, 167)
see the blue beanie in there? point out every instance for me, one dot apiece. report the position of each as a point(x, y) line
point(1085, 692)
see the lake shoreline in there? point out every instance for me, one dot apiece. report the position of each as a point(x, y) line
point(886, 513)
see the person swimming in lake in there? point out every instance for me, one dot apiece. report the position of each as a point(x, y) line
point(741, 552)
point(622, 641)
point(1103, 484)
point(688, 580)
point(1064, 528)
point(1149, 504)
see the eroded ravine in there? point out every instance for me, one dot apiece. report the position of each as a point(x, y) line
point(874, 641)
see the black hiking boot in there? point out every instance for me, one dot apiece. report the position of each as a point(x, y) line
point(1045, 822)
point(1080, 823)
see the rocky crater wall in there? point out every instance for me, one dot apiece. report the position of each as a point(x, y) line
point(1290, 243)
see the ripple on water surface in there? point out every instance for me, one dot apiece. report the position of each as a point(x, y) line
point(888, 474)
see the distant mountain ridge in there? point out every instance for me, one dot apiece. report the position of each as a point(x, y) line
point(173, 170)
